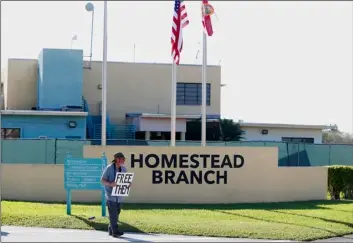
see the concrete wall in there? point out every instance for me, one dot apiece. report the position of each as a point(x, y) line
point(20, 87)
point(276, 134)
point(49, 126)
point(132, 87)
point(259, 180)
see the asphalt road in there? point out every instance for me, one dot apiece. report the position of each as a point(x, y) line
point(24, 234)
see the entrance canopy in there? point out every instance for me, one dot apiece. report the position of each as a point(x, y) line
point(147, 122)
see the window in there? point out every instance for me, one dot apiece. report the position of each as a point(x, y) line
point(191, 94)
point(10, 133)
point(297, 140)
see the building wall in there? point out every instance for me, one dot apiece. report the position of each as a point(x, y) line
point(49, 126)
point(132, 87)
point(20, 88)
point(138, 87)
point(276, 134)
point(259, 180)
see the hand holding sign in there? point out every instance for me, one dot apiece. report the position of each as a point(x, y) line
point(123, 182)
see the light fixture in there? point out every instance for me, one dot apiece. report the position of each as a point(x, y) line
point(72, 124)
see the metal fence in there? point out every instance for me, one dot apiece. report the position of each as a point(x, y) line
point(47, 151)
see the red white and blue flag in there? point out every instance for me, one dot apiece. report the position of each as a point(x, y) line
point(180, 21)
point(207, 10)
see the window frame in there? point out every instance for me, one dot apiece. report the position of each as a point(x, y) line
point(190, 94)
point(4, 129)
point(307, 140)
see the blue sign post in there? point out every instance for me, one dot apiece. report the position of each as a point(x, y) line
point(84, 174)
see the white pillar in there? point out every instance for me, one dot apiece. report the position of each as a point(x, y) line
point(147, 135)
point(182, 136)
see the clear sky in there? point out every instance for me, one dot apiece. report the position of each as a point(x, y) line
point(283, 62)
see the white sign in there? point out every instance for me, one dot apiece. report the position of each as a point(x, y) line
point(123, 181)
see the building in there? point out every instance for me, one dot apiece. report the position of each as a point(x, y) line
point(58, 95)
point(283, 132)
point(138, 94)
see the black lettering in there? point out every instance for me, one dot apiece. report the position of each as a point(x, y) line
point(195, 177)
point(204, 157)
point(152, 157)
point(193, 159)
point(169, 163)
point(215, 161)
point(136, 160)
point(182, 177)
point(157, 177)
point(127, 178)
point(169, 176)
point(224, 177)
point(123, 189)
point(183, 161)
point(226, 162)
point(206, 179)
point(236, 158)
point(119, 178)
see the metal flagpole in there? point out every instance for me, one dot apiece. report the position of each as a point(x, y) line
point(104, 76)
point(173, 105)
point(204, 90)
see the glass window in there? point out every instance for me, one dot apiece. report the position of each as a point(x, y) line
point(10, 133)
point(191, 94)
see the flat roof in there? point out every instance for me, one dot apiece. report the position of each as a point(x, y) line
point(279, 125)
point(178, 116)
point(43, 113)
point(98, 61)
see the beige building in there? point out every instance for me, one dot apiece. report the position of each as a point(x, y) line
point(138, 93)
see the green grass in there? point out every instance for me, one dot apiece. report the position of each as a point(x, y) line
point(285, 221)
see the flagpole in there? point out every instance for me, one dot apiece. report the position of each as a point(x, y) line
point(173, 105)
point(104, 76)
point(204, 90)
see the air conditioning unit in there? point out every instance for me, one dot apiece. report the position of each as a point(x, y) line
point(264, 131)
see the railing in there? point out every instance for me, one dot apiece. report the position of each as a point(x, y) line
point(53, 151)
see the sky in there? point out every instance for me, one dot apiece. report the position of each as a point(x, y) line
point(282, 62)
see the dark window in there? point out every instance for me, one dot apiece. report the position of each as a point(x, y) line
point(297, 140)
point(191, 94)
point(10, 133)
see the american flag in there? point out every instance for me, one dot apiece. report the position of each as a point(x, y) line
point(180, 21)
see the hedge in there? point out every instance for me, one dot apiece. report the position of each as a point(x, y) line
point(340, 182)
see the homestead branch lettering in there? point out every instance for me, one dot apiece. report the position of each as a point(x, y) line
point(195, 168)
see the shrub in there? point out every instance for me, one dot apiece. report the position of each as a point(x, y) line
point(340, 181)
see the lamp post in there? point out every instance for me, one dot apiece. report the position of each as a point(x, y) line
point(90, 8)
point(104, 75)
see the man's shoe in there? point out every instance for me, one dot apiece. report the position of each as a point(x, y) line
point(118, 234)
point(110, 233)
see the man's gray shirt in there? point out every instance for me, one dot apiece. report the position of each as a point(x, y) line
point(109, 175)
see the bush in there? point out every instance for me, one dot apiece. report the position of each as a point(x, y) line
point(340, 182)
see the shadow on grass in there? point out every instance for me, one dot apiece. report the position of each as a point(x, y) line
point(335, 234)
point(310, 205)
point(262, 206)
point(350, 225)
point(104, 226)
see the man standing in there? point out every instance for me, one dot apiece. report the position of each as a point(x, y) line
point(113, 202)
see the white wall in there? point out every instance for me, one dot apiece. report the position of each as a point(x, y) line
point(276, 134)
point(161, 125)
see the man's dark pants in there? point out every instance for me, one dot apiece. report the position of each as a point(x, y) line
point(114, 209)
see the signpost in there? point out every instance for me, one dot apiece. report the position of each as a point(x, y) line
point(84, 174)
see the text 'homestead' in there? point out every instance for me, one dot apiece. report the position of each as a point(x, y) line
point(195, 163)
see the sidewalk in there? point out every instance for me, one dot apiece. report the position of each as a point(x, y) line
point(24, 234)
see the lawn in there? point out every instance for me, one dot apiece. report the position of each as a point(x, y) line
point(285, 221)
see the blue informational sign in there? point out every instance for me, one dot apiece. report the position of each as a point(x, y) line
point(83, 174)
